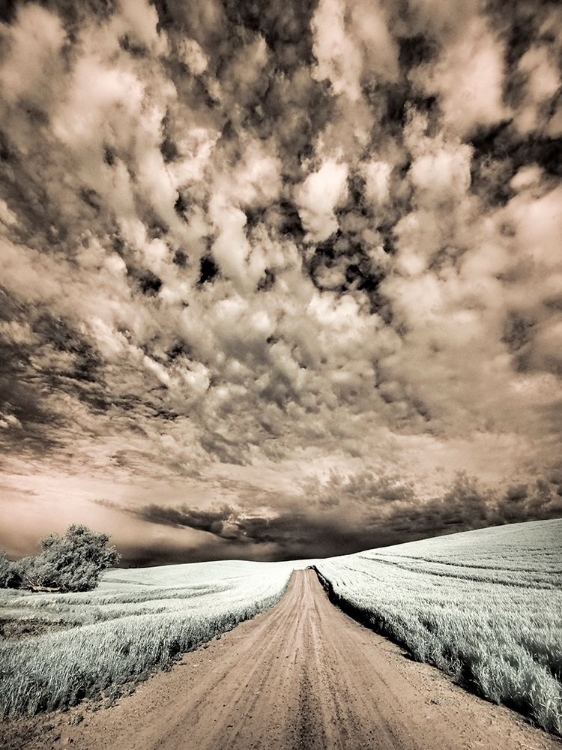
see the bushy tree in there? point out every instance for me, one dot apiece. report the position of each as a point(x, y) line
point(72, 562)
point(10, 577)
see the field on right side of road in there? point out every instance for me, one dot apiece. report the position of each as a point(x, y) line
point(485, 606)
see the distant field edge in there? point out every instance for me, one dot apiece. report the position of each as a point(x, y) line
point(381, 626)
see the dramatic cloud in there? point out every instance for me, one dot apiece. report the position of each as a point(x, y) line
point(281, 280)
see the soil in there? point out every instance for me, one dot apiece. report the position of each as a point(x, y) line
point(17, 629)
point(302, 676)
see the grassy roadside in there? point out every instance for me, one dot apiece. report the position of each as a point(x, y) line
point(125, 631)
point(484, 607)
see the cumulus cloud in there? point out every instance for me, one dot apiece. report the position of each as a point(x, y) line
point(542, 81)
point(317, 198)
point(26, 76)
point(467, 77)
point(352, 42)
point(314, 247)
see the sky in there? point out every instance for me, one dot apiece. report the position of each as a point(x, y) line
point(278, 279)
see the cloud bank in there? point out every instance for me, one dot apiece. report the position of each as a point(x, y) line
point(279, 279)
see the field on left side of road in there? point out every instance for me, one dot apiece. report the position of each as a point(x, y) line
point(62, 648)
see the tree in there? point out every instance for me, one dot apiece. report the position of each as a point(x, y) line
point(72, 562)
point(10, 577)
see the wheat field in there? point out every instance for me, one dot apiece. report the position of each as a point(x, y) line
point(484, 606)
point(136, 621)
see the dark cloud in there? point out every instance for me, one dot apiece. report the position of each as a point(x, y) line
point(388, 513)
point(8, 11)
point(208, 270)
point(211, 521)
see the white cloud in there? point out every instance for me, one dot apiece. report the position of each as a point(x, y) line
point(538, 223)
point(442, 174)
point(352, 41)
point(7, 217)
point(526, 178)
point(141, 19)
point(377, 177)
point(25, 74)
point(338, 58)
point(539, 67)
point(317, 198)
point(192, 55)
point(468, 78)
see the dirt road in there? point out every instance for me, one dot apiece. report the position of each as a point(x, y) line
point(301, 676)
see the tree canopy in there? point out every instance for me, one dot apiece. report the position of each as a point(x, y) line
point(72, 562)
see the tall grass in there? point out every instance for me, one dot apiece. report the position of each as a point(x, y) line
point(136, 622)
point(484, 606)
